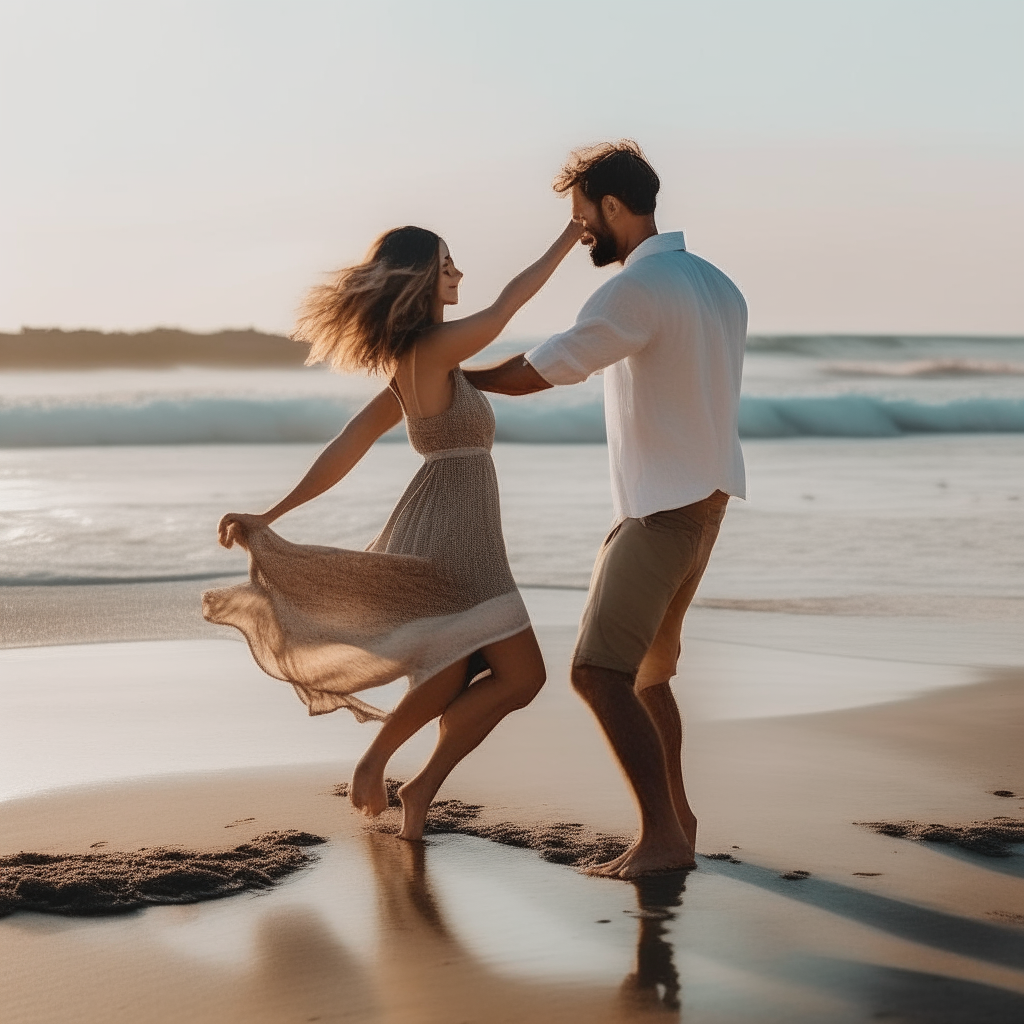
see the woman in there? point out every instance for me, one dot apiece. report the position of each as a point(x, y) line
point(435, 587)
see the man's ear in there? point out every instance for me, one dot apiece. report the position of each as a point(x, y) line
point(610, 208)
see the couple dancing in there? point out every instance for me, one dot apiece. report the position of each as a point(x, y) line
point(433, 598)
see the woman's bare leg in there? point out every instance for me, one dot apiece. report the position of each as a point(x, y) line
point(517, 674)
point(419, 706)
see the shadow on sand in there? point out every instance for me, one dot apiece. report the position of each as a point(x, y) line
point(993, 943)
point(964, 936)
point(1012, 865)
point(915, 997)
point(422, 971)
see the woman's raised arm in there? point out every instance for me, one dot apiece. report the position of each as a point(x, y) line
point(449, 344)
point(331, 465)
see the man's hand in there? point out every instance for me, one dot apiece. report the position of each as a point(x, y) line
point(515, 376)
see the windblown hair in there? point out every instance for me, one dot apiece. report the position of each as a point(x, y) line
point(617, 169)
point(369, 315)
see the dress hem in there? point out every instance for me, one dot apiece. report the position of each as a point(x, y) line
point(508, 606)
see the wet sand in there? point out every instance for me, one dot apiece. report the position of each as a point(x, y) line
point(794, 913)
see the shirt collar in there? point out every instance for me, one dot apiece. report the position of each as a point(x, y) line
point(669, 241)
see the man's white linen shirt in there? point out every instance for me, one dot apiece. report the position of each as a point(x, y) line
point(671, 330)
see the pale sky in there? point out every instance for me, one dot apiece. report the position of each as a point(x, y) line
point(855, 165)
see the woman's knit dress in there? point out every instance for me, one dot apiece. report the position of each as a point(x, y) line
point(434, 587)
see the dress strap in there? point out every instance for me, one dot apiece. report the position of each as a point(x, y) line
point(412, 381)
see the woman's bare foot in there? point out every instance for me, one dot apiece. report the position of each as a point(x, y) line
point(415, 804)
point(367, 792)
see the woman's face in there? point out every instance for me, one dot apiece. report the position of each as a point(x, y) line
point(448, 277)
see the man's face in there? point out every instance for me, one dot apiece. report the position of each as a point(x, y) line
point(602, 244)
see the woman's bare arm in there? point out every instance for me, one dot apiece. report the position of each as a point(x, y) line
point(449, 344)
point(332, 464)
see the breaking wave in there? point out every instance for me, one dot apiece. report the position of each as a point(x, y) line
point(540, 419)
point(867, 416)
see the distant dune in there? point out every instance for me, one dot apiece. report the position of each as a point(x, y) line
point(53, 349)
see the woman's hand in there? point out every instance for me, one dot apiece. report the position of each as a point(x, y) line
point(235, 525)
point(449, 344)
point(574, 231)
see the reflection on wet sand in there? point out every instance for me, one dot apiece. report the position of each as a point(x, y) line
point(393, 959)
point(655, 982)
point(303, 972)
point(427, 974)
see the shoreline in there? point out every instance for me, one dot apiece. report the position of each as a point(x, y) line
point(987, 631)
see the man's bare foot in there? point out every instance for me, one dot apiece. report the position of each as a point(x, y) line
point(646, 857)
point(609, 867)
point(367, 792)
point(415, 804)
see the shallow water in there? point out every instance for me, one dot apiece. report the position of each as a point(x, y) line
point(930, 517)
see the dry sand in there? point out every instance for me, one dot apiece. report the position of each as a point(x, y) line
point(794, 914)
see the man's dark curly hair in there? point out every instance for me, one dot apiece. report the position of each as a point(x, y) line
point(617, 169)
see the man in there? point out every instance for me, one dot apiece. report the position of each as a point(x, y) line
point(670, 328)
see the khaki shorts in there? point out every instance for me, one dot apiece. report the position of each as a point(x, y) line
point(646, 574)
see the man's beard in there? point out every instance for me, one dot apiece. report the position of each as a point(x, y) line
point(604, 249)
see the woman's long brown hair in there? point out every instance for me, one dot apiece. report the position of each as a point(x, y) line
point(367, 316)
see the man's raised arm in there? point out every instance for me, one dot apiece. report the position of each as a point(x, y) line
point(515, 376)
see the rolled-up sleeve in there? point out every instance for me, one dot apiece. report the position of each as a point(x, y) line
point(614, 323)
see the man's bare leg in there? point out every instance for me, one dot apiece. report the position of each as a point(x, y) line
point(419, 706)
point(517, 674)
point(662, 844)
point(660, 704)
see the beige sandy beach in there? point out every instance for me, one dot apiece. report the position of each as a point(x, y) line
point(465, 929)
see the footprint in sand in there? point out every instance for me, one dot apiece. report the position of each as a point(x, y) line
point(240, 821)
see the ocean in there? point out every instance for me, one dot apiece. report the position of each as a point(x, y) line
point(884, 473)
point(793, 387)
